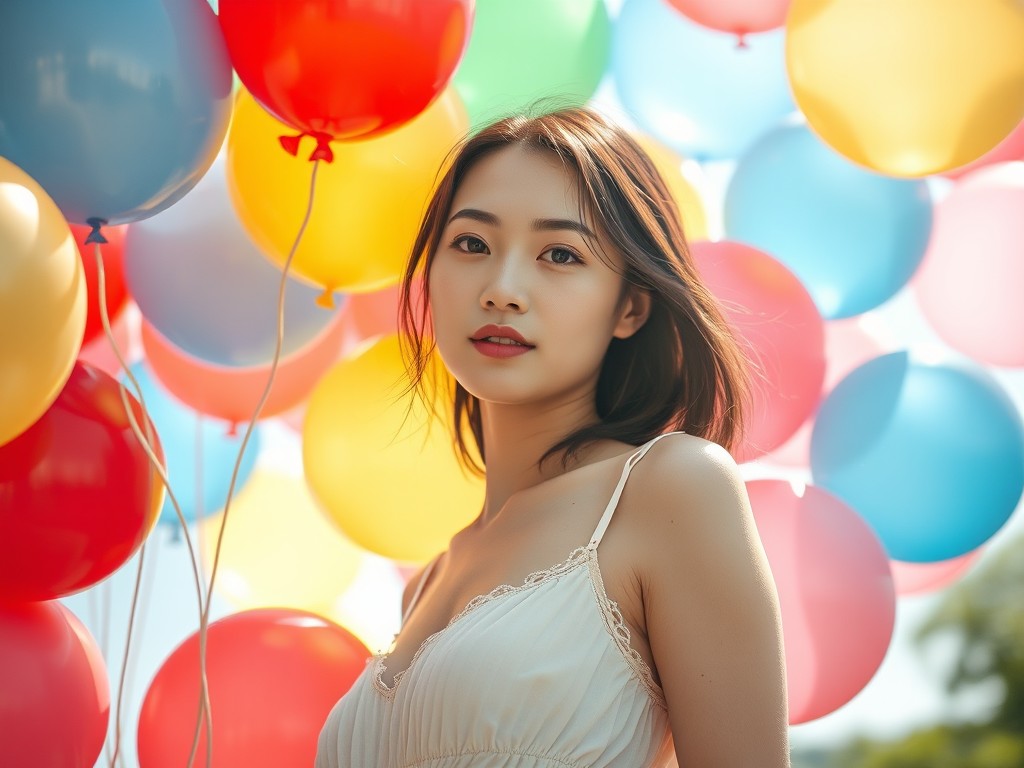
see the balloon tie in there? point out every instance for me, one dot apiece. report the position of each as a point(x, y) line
point(323, 149)
point(741, 41)
point(95, 236)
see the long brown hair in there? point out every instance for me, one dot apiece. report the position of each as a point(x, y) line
point(682, 370)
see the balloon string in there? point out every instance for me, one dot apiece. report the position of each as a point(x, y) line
point(146, 441)
point(256, 413)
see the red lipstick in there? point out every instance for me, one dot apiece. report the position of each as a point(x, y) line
point(500, 341)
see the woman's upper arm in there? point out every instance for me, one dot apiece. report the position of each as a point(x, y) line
point(712, 611)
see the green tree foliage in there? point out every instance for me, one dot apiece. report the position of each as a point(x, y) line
point(985, 613)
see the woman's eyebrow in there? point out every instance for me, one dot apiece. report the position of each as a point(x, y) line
point(538, 224)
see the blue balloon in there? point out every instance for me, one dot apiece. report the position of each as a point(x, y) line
point(694, 88)
point(852, 236)
point(205, 286)
point(200, 484)
point(116, 107)
point(932, 456)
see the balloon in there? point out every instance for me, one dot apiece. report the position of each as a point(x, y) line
point(835, 594)
point(776, 320)
point(201, 453)
point(853, 237)
point(274, 675)
point(968, 287)
point(738, 16)
point(931, 455)
point(531, 50)
point(279, 549)
point(116, 107)
point(368, 202)
point(42, 301)
point(206, 287)
point(669, 165)
point(943, 85)
point(345, 68)
point(113, 276)
point(693, 88)
point(77, 493)
point(387, 475)
point(232, 394)
point(55, 701)
point(920, 578)
point(846, 347)
point(1009, 149)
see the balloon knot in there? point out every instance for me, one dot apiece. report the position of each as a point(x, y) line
point(233, 429)
point(95, 236)
point(291, 143)
point(323, 149)
point(741, 41)
point(326, 299)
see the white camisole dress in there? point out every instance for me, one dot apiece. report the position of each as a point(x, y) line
point(537, 675)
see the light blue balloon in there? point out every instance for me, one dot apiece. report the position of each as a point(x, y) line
point(116, 107)
point(204, 285)
point(694, 88)
point(176, 424)
point(852, 236)
point(932, 456)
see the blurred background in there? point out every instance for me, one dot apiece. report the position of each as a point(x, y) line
point(248, 179)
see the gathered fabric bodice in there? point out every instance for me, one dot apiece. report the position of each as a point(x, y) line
point(536, 675)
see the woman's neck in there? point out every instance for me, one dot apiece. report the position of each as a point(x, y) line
point(515, 437)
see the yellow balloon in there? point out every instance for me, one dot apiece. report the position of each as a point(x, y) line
point(42, 301)
point(669, 165)
point(367, 204)
point(279, 549)
point(390, 482)
point(908, 87)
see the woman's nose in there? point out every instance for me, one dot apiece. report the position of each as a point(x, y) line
point(506, 288)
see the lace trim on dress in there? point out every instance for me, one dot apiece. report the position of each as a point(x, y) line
point(575, 558)
point(619, 631)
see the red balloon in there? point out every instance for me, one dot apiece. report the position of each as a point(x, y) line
point(783, 332)
point(274, 674)
point(77, 493)
point(113, 273)
point(345, 68)
point(54, 699)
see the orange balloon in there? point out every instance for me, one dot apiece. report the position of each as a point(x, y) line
point(232, 393)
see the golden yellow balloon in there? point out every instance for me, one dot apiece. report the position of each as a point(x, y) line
point(368, 201)
point(279, 549)
point(42, 301)
point(391, 482)
point(669, 165)
point(908, 87)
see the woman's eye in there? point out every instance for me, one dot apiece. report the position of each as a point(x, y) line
point(470, 244)
point(563, 256)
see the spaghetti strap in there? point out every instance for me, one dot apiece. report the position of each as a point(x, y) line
point(613, 502)
point(419, 588)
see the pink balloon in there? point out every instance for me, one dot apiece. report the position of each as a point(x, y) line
point(919, 578)
point(99, 353)
point(835, 592)
point(1009, 149)
point(783, 331)
point(969, 284)
point(232, 393)
point(54, 699)
point(846, 347)
point(738, 16)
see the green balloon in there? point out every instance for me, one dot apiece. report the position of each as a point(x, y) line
point(532, 55)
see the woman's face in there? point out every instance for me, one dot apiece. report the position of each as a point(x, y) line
point(517, 261)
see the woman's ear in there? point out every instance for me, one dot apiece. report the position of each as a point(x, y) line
point(633, 313)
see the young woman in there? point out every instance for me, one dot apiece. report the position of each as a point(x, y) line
point(580, 620)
